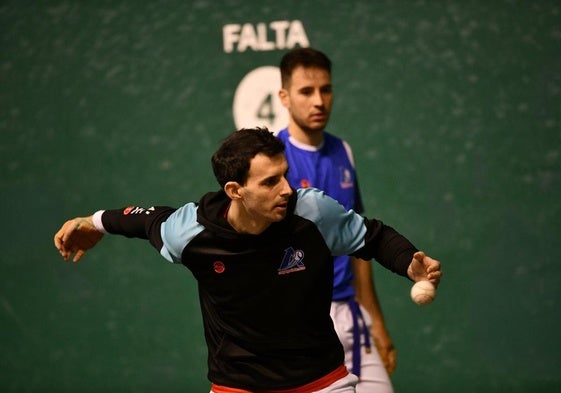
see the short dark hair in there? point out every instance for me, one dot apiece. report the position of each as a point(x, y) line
point(231, 161)
point(305, 57)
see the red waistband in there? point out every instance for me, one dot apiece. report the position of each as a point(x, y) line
point(318, 384)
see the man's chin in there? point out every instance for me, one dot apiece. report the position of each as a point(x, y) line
point(279, 214)
point(315, 128)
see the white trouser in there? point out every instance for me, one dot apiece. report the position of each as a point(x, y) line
point(373, 374)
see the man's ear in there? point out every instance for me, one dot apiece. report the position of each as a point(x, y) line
point(232, 189)
point(283, 96)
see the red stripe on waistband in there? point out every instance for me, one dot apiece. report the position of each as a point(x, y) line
point(318, 384)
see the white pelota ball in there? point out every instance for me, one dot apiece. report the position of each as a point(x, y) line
point(423, 292)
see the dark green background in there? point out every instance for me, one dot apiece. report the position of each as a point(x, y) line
point(453, 109)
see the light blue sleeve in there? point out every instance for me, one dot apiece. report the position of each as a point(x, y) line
point(178, 230)
point(342, 230)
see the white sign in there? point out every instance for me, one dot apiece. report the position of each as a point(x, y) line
point(256, 100)
point(277, 35)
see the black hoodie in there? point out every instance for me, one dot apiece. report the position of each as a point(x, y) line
point(265, 299)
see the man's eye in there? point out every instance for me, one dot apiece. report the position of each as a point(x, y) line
point(270, 182)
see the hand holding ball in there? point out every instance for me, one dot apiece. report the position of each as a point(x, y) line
point(423, 292)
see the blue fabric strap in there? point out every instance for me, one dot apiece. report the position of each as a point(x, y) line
point(359, 329)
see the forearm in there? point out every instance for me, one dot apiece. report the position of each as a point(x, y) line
point(391, 249)
point(132, 221)
point(121, 222)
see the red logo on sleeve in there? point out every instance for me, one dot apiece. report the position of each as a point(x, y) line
point(128, 210)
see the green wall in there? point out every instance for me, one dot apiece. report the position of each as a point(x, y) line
point(453, 109)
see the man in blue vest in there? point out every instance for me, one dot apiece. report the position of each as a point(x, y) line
point(319, 159)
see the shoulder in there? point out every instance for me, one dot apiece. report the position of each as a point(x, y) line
point(182, 223)
point(186, 212)
point(314, 204)
point(343, 230)
point(339, 143)
point(331, 138)
point(282, 134)
point(180, 228)
point(310, 195)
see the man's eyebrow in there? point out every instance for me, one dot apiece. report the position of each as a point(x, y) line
point(273, 177)
point(269, 178)
point(322, 87)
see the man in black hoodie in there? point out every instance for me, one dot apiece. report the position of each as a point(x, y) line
point(262, 255)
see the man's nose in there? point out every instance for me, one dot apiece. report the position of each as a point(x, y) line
point(286, 189)
point(318, 99)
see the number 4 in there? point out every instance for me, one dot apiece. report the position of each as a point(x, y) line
point(266, 110)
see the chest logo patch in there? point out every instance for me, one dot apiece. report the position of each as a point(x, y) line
point(345, 178)
point(219, 267)
point(292, 261)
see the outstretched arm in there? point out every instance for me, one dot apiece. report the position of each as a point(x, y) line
point(75, 237)
point(367, 297)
